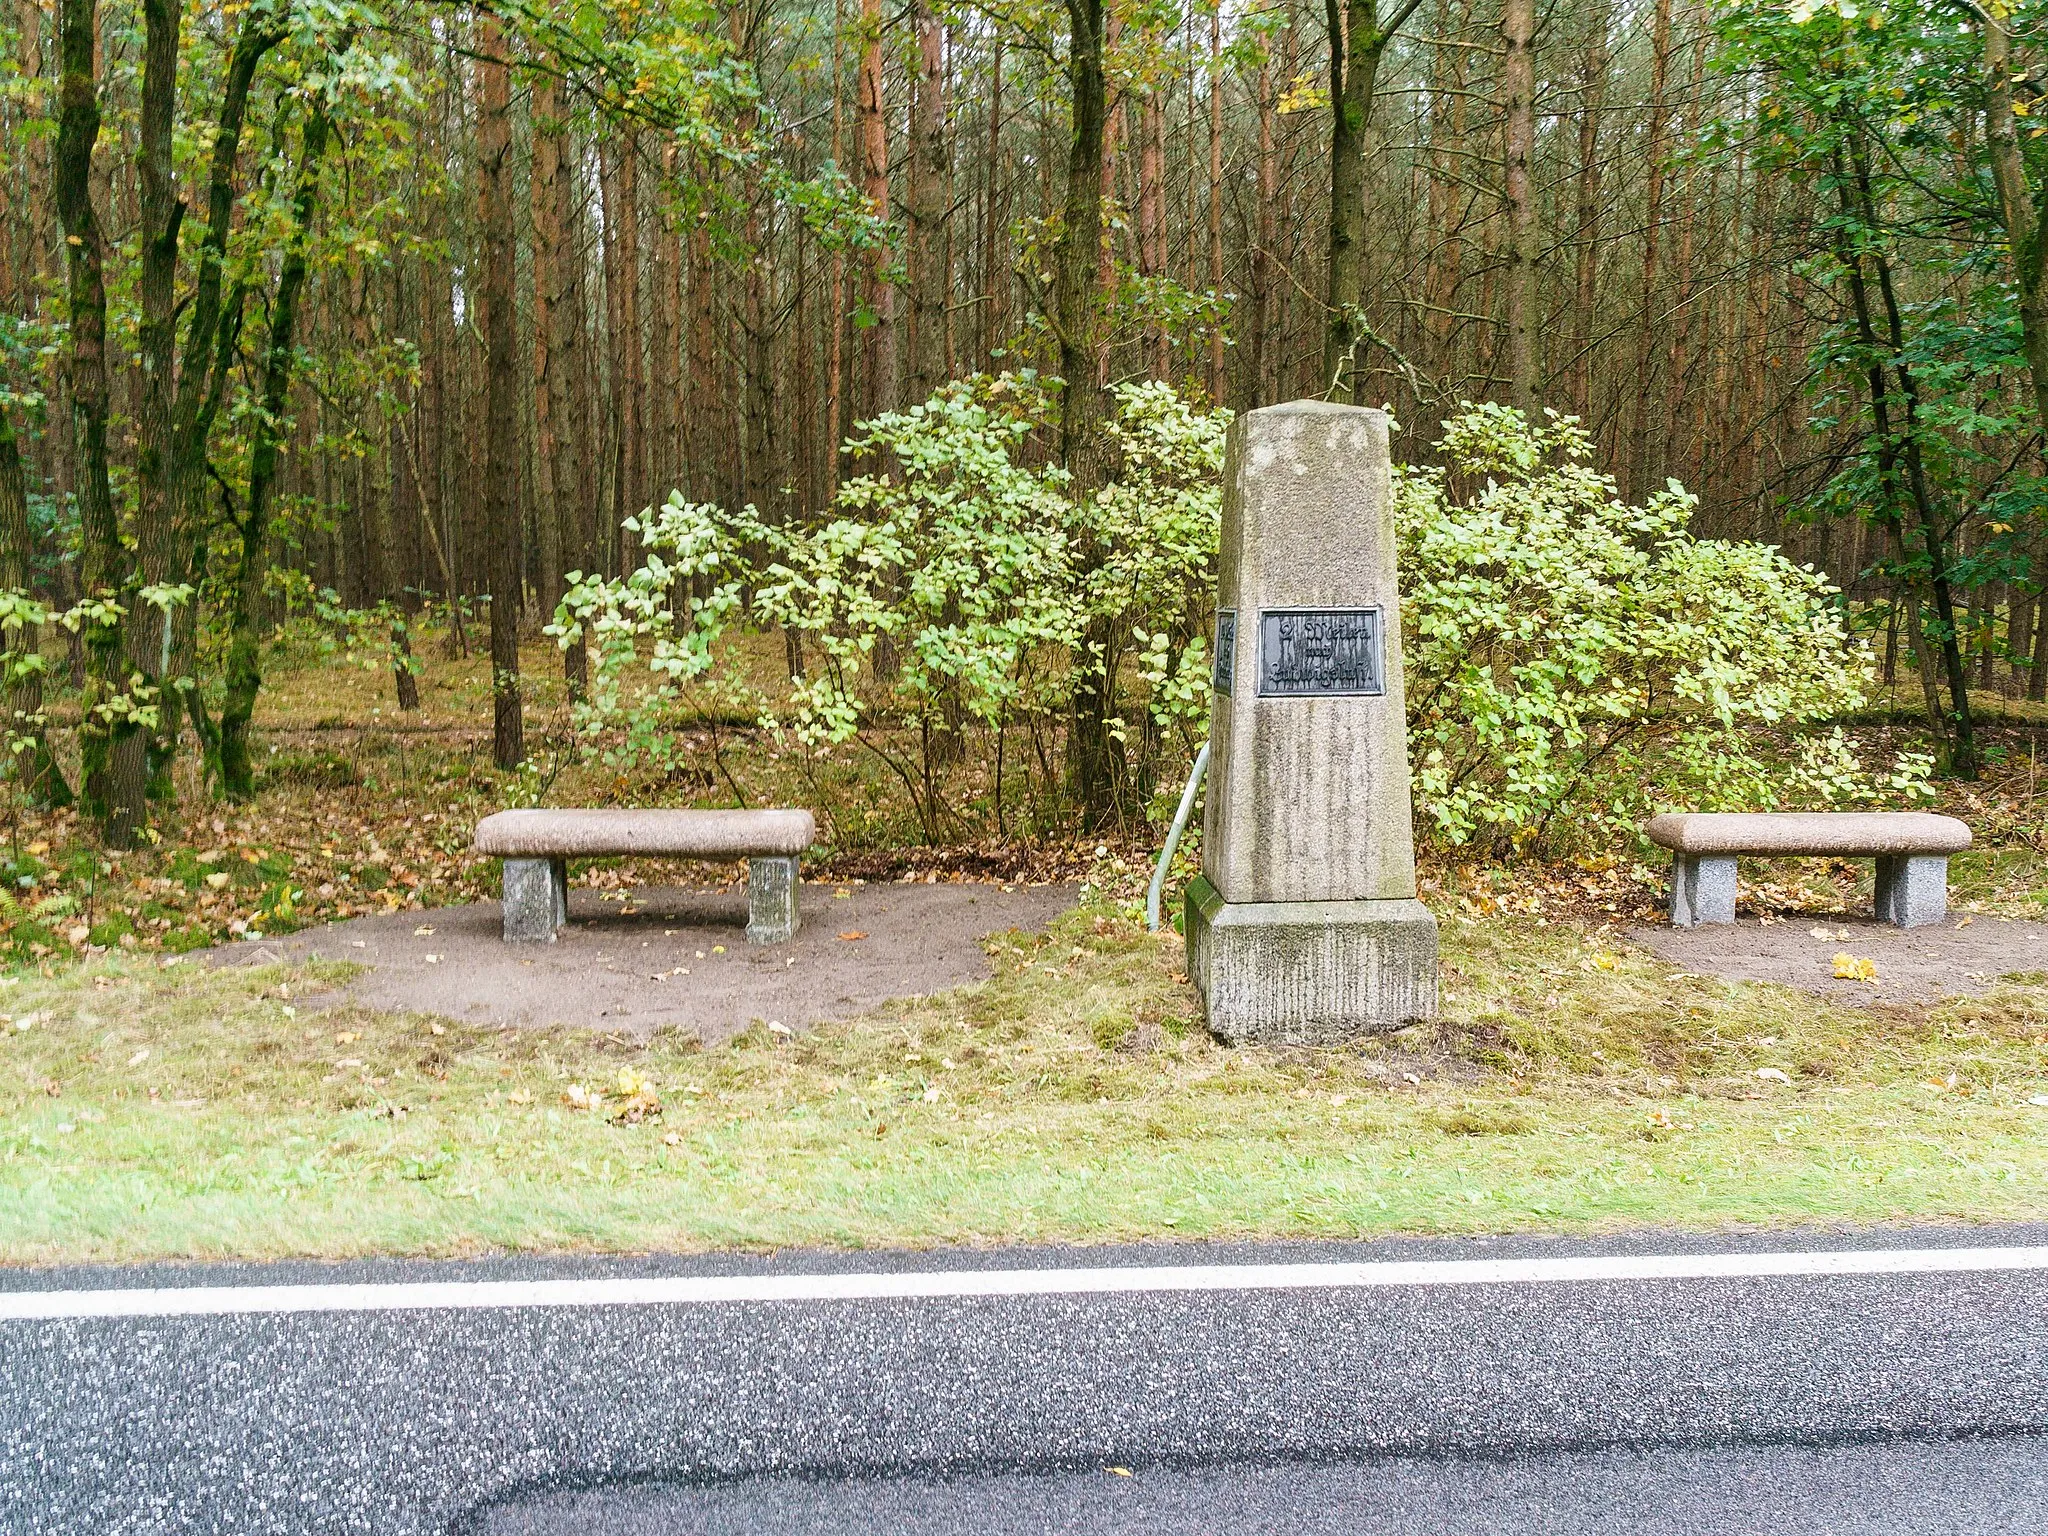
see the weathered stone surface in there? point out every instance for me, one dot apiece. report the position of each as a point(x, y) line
point(1304, 926)
point(1912, 891)
point(1308, 796)
point(578, 834)
point(1793, 834)
point(536, 900)
point(1702, 890)
point(1911, 849)
point(771, 900)
point(1310, 972)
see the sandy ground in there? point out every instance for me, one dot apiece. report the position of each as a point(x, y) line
point(671, 957)
point(1963, 956)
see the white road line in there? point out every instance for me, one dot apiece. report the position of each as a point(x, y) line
point(706, 1290)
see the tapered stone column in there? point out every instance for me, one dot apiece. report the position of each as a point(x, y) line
point(1304, 925)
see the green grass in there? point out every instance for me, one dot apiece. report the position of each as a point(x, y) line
point(150, 1112)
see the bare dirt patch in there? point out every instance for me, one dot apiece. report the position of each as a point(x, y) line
point(670, 957)
point(1964, 956)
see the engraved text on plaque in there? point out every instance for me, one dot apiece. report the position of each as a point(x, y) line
point(1318, 652)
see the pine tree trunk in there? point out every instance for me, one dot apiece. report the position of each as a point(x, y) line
point(547, 262)
point(244, 667)
point(1586, 212)
point(27, 761)
point(1518, 136)
point(1216, 78)
point(2026, 217)
point(111, 741)
point(501, 411)
point(157, 461)
point(1255, 392)
point(1092, 748)
point(1158, 346)
point(1356, 43)
point(878, 386)
point(1653, 224)
point(929, 277)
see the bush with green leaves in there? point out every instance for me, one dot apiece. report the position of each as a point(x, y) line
point(945, 597)
point(1575, 663)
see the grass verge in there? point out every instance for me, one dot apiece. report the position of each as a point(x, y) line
point(148, 1112)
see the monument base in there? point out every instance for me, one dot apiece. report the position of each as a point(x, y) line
point(1309, 972)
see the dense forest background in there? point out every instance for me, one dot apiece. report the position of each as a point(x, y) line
point(414, 304)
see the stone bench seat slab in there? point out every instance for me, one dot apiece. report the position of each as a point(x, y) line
point(1911, 849)
point(537, 845)
point(1810, 834)
point(596, 834)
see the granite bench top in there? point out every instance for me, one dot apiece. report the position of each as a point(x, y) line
point(1860, 834)
point(572, 834)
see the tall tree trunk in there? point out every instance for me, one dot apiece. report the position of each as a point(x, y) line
point(929, 277)
point(501, 388)
point(878, 298)
point(1077, 293)
point(1216, 78)
point(631, 357)
point(1653, 226)
point(1094, 756)
point(2026, 218)
point(27, 761)
point(1902, 452)
point(157, 462)
point(1586, 212)
point(111, 739)
point(1254, 392)
point(211, 349)
point(1357, 40)
point(1518, 142)
point(244, 669)
point(570, 491)
point(1152, 224)
point(372, 494)
point(994, 242)
point(1934, 544)
point(550, 395)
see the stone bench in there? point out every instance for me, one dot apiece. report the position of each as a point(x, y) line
point(537, 846)
point(1911, 849)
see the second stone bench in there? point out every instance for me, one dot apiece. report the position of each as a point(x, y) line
point(1911, 849)
point(537, 845)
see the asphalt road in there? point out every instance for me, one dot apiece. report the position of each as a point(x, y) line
point(1876, 1402)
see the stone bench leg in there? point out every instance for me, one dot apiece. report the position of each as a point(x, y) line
point(771, 901)
point(1702, 890)
point(1912, 889)
point(536, 899)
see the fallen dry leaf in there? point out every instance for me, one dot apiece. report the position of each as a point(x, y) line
point(852, 934)
point(1850, 967)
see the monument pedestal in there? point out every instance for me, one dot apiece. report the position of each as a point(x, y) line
point(1309, 972)
point(1305, 928)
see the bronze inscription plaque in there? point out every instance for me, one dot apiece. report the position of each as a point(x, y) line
point(1320, 652)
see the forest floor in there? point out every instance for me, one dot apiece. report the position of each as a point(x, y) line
point(153, 1105)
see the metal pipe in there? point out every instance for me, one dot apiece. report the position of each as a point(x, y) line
point(1180, 822)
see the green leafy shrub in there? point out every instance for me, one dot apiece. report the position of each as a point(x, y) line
point(1573, 662)
point(950, 595)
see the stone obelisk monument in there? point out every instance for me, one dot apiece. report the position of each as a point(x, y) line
point(1303, 925)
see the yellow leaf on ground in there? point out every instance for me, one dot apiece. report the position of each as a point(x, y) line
point(1850, 967)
